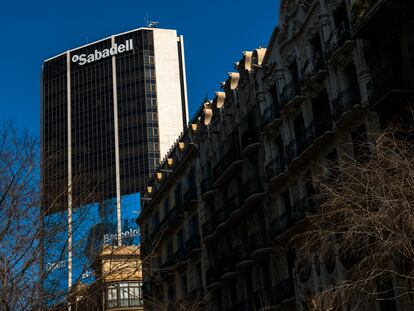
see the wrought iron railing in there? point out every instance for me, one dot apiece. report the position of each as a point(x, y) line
point(270, 114)
point(213, 275)
point(224, 163)
point(275, 167)
point(305, 139)
point(221, 215)
point(280, 224)
point(337, 39)
point(289, 92)
point(234, 202)
point(190, 195)
point(251, 187)
point(209, 227)
point(249, 137)
point(322, 123)
point(258, 240)
point(290, 151)
point(207, 185)
point(345, 101)
point(312, 66)
point(227, 263)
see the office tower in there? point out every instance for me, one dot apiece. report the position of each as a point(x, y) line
point(110, 110)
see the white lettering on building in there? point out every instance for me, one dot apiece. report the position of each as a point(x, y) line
point(107, 238)
point(51, 266)
point(97, 55)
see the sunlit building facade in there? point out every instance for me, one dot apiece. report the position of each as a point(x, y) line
point(110, 111)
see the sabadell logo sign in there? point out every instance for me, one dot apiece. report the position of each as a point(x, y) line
point(97, 55)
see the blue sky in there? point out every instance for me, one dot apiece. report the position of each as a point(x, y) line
point(215, 33)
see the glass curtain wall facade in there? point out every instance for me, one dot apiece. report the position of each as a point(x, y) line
point(100, 143)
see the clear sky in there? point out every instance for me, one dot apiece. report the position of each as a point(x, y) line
point(215, 33)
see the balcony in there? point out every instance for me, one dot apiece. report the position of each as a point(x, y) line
point(193, 246)
point(388, 87)
point(313, 72)
point(242, 257)
point(222, 215)
point(208, 228)
point(227, 267)
point(297, 147)
point(339, 42)
point(290, 151)
point(213, 278)
point(250, 141)
point(345, 102)
point(305, 139)
point(271, 116)
point(252, 190)
point(207, 187)
point(274, 168)
point(259, 244)
point(234, 203)
point(284, 291)
point(291, 95)
point(281, 224)
point(129, 303)
point(322, 124)
point(226, 166)
point(190, 198)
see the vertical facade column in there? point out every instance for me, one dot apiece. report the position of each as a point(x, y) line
point(363, 71)
point(184, 80)
point(116, 132)
point(70, 202)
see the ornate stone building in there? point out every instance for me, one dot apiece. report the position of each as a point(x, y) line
point(118, 282)
point(237, 185)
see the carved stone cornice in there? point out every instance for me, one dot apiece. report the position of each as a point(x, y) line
point(207, 112)
point(234, 80)
point(258, 55)
point(247, 55)
point(220, 99)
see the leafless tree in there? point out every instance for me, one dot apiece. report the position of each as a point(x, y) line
point(19, 218)
point(365, 219)
point(25, 238)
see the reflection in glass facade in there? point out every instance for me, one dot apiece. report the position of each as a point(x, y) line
point(107, 109)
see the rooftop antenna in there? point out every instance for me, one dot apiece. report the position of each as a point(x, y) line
point(150, 24)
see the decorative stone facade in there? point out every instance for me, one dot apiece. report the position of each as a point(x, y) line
point(329, 76)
